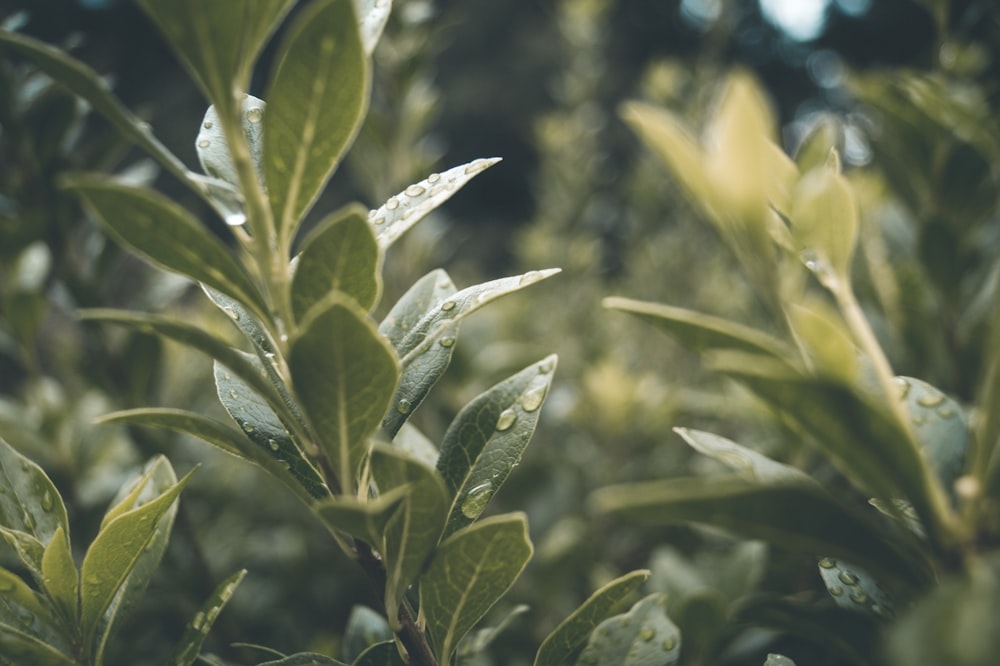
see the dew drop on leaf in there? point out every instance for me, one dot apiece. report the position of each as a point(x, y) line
point(828, 563)
point(208, 124)
point(392, 203)
point(414, 191)
point(932, 400)
point(447, 341)
point(204, 143)
point(234, 394)
point(433, 178)
point(647, 633)
point(404, 406)
point(904, 387)
point(448, 306)
point(669, 644)
point(532, 400)
point(255, 114)
point(847, 578)
point(476, 499)
point(859, 596)
point(198, 621)
point(247, 427)
point(47, 502)
point(273, 443)
point(506, 419)
point(530, 277)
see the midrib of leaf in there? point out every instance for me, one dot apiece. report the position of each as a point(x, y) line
point(346, 483)
point(464, 596)
point(308, 134)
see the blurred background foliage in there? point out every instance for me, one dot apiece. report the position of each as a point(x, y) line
point(907, 90)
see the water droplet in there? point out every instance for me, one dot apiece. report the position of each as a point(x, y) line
point(283, 337)
point(847, 578)
point(669, 644)
point(47, 502)
point(273, 443)
point(235, 219)
point(208, 124)
point(506, 419)
point(414, 191)
point(946, 412)
point(92, 579)
point(858, 596)
point(474, 166)
point(255, 114)
point(835, 590)
point(932, 400)
point(198, 621)
point(647, 633)
point(404, 406)
point(433, 178)
point(234, 394)
point(392, 203)
point(476, 500)
point(233, 314)
point(247, 427)
point(547, 366)
point(284, 463)
point(379, 220)
point(918, 420)
point(204, 143)
point(532, 400)
point(447, 341)
point(448, 306)
point(530, 277)
point(904, 387)
point(828, 563)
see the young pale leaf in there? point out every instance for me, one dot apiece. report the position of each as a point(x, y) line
point(412, 531)
point(372, 16)
point(778, 660)
point(62, 582)
point(362, 519)
point(166, 235)
point(824, 219)
point(644, 636)
point(365, 628)
point(940, 427)
point(855, 589)
point(796, 516)
point(265, 430)
point(217, 42)
point(700, 332)
point(316, 99)
point(26, 618)
point(30, 503)
point(213, 151)
point(197, 629)
point(824, 339)
point(401, 212)
point(485, 441)
point(112, 557)
point(426, 293)
point(345, 374)
point(564, 644)
point(87, 84)
point(341, 255)
point(469, 573)
point(748, 463)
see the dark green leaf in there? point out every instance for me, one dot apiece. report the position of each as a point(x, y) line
point(20, 647)
point(245, 321)
point(644, 636)
point(486, 440)
point(30, 505)
point(413, 530)
point(27, 615)
point(478, 641)
point(345, 374)
point(197, 629)
point(362, 519)
point(381, 654)
point(304, 659)
point(799, 517)
point(778, 660)
point(316, 99)
point(365, 628)
point(855, 589)
point(470, 571)
point(748, 463)
point(166, 235)
point(341, 255)
point(563, 645)
point(62, 582)
point(426, 293)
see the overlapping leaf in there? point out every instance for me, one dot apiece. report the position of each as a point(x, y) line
point(644, 635)
point(197, 629)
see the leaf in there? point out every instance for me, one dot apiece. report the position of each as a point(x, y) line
point(402, 211)
point(365, 628)
point(469, 573)
point(824, 218)
point(115, 553)
point(855, 589)
point(478, 641)
point(304, 659)
point(644, 636)
point(824, 339)
point(345, 374)
point(219, 42)
point(62, 582)
point(263, 428)
point(412, 532)
point(372, 16)
point(746, 462)
point(317, 97)
point(426, 293)
point(363, 519)
point(416, 445)
point(798, 517)
point(214, 154)
point(700, 332)
point(778, 660)
point(341, 255)
point(245, 321)
point(26, 619)
point(940, 427)
point(197, 629)
point(85, 82)
point(166, 235)
point(487, 438)
point(19, 647)
point(561, 647)
point(30, 505)
point(380, 654)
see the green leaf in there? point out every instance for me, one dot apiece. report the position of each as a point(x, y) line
point(469, 573)
point(487, 438)
point(778, 660)
point(940, 427)
point(798, 517)
point(345, 374)
point(644, 636)
point(824, 339)
point(748, 463)
point(824, 219)
point(29, 505)
point(166, 235)
point(372, 16)
point(478, 641)
point(416, 445)
point(245, 321)
point(19, 647)
point(563, 645)
point(304, 659)
point(217, 42)
point(262, 427)
point(86, 83)
point(380, 654)
point(341, 255)
point(425, 294)
point(700, 332)
point(114, 555)
point(365, 628)
point(214, 154)
point(402, 211)
point(62, 582)
point(28, 549)
point(412, 532)
point(27, 618)
point(197, 629)
point(855, 589)
point(363, 519)
point(316, 98)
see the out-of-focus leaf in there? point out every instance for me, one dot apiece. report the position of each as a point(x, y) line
point(824, 219)
point(796, 516)
point(470, 571)
point(414, 529)
point(561, 647)
point(815, 147)
point(317, 96)
point(643, 636)
point(824, 339)
point(197, 629)
point(213, 150)
point(27, 622)
point(478, 641)
point(778, 660)
point(855, 589)
point(380, 654)
point(304, 659)
point(365, 628)
point(166, 235)
point(426, 293)
point(748, 463)
point(372, 17)
point(20, 647)
point(940, 427)
point(341, 255)
point(487, 438)
point(405, 209)
point(62, 582)
point(416, 445)
point(345, 375)
point(701, 332)
point(362, 519)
